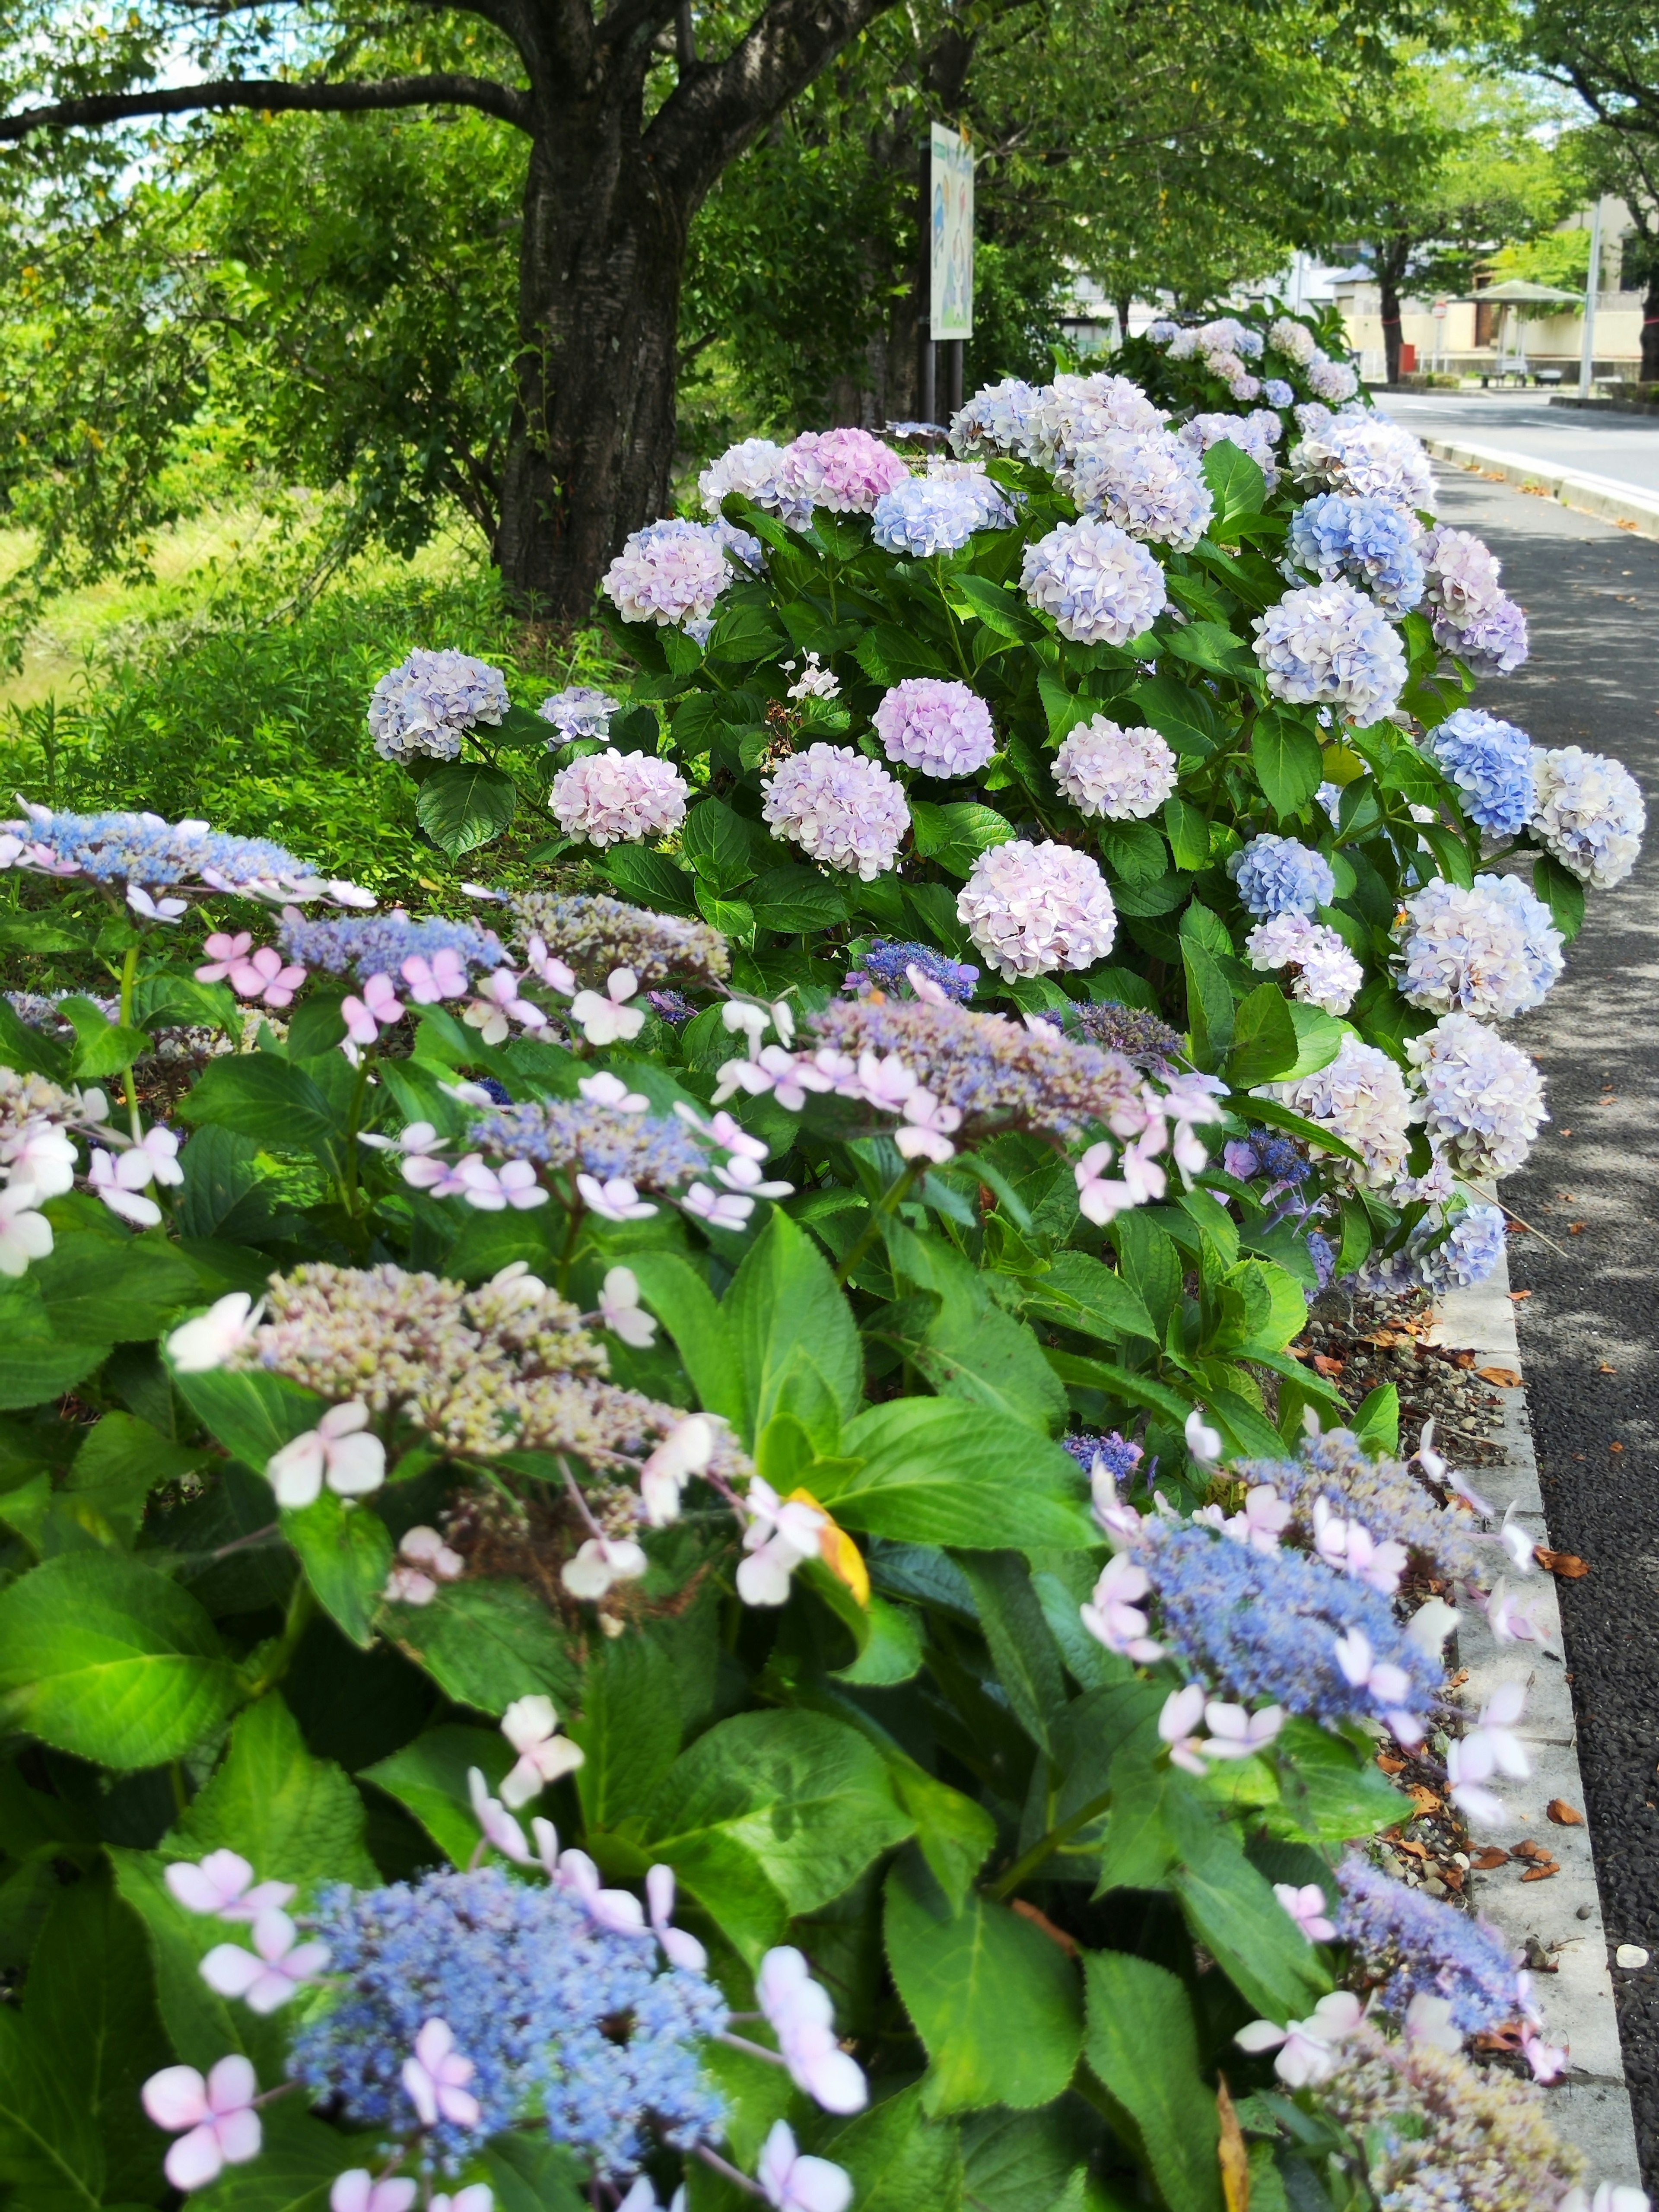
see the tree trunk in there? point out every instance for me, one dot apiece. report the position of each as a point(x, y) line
point(591, 443)
point(1388, 287)
point(1651, 326)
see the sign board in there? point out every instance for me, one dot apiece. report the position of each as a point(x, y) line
point(950, 234)
point(1441, 309)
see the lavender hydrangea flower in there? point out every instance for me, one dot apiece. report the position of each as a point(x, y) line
point(936, 727)
point(579, 711)
point(1147, 482)
point(379, 944)
point(930, 514)
point(1361, 1097)
point(1032, 908)
point(750, 468)
point(1461, 576)
point(142, 850)
point(562, 2021)
point(1330, 644)
point(1382, 1494)
point(1332, 380)
point(845, 471)
point(1469, 1254)
point(1422, 1947)
point(670, 573)
point(1277, 875)
point(1073, 410)
point(1367, 455)
point(1249, 433)
point(1494, 644)
point(996, 420)
point(1098, 584)
point(654, 1152)
point(887, 967)
point(595, 935)
point(1588, 813)
point(1265, 1626)
point(1483, 1096)
point(1368, 540)
point(1325, 973)
point(839, 808)
point(1488, 949)
point(1123, 775)
point(1277, 393)
point(427, 704)
point(1144, 1040)
point(1490, 762)
point(1293, 339)
point(1120, 1457)
point(617, 797)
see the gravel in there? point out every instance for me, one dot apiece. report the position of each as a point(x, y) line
point(1584, 1276)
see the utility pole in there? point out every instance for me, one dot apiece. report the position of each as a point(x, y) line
point(1592, 286)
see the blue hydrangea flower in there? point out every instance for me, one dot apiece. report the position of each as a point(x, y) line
point(379, 944)
point(1329, 645)
point(1277, 393)
point(1370, 540)
point(1469, 1253)
point(1491, 763)
point(144, 850)
point(654, 1152)
point(1424, 1948)
point(564, 2021)
point(887, 965)
point(926, 515)
point(1120, 1457)
point(1277, 875)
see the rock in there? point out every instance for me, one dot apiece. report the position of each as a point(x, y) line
point(1630, 1954)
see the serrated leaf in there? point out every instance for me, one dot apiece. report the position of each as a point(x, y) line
point(1143, 2047)
point(1289, 764)
point(465, 803)
point(1265, 1046)
point(930, 1471)
point(428, 1778)
point(1562, 892)
point(1236, 483)
point(296, 1818)
point(955, 835)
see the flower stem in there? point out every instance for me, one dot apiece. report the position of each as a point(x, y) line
point(1046, 1846)
point(129, 979)
point(300, 1607)
point(889, 1202)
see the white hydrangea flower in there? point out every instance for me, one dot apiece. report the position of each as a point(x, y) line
point(1330, 644)
point(1490, 949)
point(1033, 908)
point(1072, 409)
point(1098, 584)
point(1588, 812)
point(1483, 1096)
point(839, 808)
point(1294, 340)
point(750, 467)
point(1148, 481)
point(1365, 453)
point(1329, 976)
point(1361, 1096)
point(1333, 381)
point(1123, 775)
point(617, 797)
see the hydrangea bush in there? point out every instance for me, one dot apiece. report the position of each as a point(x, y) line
point(669, 1539)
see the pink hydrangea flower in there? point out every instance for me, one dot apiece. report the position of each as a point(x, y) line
point(845, 471)
point(939, 728)
point(839, 808)
point(1032, 908)
point(617, 798)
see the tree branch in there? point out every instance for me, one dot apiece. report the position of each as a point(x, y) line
point(272, 94)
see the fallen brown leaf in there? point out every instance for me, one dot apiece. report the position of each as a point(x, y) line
point(1424, 1798)
point(1452, 1875)
point(1026, 1912)
point(1526, 1849)
point(1463, 1359)
point(1541, 1873)
point(1575, 1228)
point(1517, 1229)
point(1390, 1765)
point(1516, 1296)
point(1615, 1447)
point(1563, 1814)
point(1418, 1851)
point(1607, 1369)
point(1234, 2154)
point(1567, 1564)
point(1484, 1861)
point(1325, 1365)
point(1505, 1377)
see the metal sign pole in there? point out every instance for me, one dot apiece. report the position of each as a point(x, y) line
point(1592, 286)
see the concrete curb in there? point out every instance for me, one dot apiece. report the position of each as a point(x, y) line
point(1580, 488)
point(1562, 1917)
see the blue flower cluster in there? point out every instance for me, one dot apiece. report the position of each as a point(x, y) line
point(926, 515)
point(1265, 1625)
point(1144, 1040)
point(654, 1152)
point(1425, 1949)
point(1277, 875)
point(1491, 763)
point(562, 2019)
point(887, 965)
point(141, 848)
point(1381, 1494)
point(379, 944)
point(1277, 393)
point(1120, 1457)
point(1370, 540)
point(1469, 1255)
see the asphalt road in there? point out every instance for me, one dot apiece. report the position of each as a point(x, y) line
point(1589, 1275)
point(1621, 449)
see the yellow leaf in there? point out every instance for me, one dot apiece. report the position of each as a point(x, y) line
point(1234, 2156)
point(837, 1550)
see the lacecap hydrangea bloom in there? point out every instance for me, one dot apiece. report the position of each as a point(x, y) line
point(845, 471)
point(1588, 813)
point(1327, 973)
point(839, 808)
point(750, 468)
point(1483, 1097)
point(428, 703)
point(1382, 1494)
point(670, 573)
point(1277, 875)
point(1361, 1097)
point(1421, 1948)
point(142, 850)
point(1147, 482)
point(996, 420)
point(1096, 582)
point(1330, 644)
point(936, 727)
point(1367, 455)
point(596, 935)
point(1489, 949)
point(379, 944)
point(886, 967)
point(615, 798)
point(579, 711)
point(1490, 762)
point(1371, 541)
point(1121, 775)
point(1332, 380)
point(925, 515)
point(1033, 908)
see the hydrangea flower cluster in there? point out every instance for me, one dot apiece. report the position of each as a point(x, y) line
point(581, 711)
point(1490, 948)
point(596, 1138)
point(1333, 1476)
point(1483, 1096)
point(1096, 582)
point(1256, 434)
point(615, 798)
point(750, 468)
point(1361, 1097)
point(1277, 393)
point(938, 728)
point(1466, 1253)
point(558, 2017)
point(1490, 762)
point(1325, 973)
point(1333, 381)
point(1293, 339)
point(1371, 541)
point(382, 944)
point(1033, 908)
point(1588, 813)
point(428, 703)
point(887, 966)
point(1330, 644)
point(1074, 410)
point(670, 574)
point(1473, 617)
point(839, 808)
point(1369, 456)
point(1277, 875)
point(146, 855)
point(1146, 482)
point(1494, 644)
point(595, 936)
point(1121, 775)
point(845, 471)
point(999, 420)
point(1142, 1039)
point(925, 515)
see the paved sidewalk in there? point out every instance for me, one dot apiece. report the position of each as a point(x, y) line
point(1589, 1277)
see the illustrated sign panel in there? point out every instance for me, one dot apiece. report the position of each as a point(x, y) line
point(950, 235)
